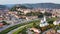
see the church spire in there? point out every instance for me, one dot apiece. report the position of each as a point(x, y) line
point(43, 22)
point(44, 18)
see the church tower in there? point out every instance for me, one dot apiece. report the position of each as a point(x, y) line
point(44, 18)
point(43, 22)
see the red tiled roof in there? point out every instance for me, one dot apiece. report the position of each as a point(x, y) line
point(1, 24)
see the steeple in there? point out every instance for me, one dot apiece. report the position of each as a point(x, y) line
point(43, 22)
point(44, 18)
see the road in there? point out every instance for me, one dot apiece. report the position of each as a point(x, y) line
point(11, 32)
point(18, 22)
point(7, 26)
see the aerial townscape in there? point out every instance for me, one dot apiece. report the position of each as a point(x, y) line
point(41, 18)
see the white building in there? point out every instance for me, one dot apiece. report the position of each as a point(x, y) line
point(43, 22)
point(35, 30)
point(56, 22)
point(58, 31)
point(42, 11)
point(27, 11)
point(31, 17)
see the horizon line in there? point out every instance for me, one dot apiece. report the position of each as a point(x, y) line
point(27, 3)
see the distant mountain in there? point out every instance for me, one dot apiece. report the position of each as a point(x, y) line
point(43, 5)
point(37, 5)
point(2, 7)
point(10, 5)
point(15, 5)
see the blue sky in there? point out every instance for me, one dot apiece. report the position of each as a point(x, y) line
point(28, 1)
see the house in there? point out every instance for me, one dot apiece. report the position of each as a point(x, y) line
point(57, 22)
point(52, 31)
point(22, 17)
point(35, 30)
point(43, 11)
point(12, 12)
point(1, 18)
point(43, 22)
point(25, 11)
point(53, 15)
point(58, 31)
point(1, 25)
point(31, 17)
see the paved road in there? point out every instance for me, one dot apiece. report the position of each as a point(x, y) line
point(18, 22)
point(11, 32)
point(7, 26)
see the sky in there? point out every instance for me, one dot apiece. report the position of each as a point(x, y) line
point(28, 1)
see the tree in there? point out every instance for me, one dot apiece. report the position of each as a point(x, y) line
point(48, 14)
point(4, 22)
point(40, 16)
point(18, 6)
point(33, 14)
point(13, 9)
point(50, 22)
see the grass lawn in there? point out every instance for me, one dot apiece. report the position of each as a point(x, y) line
point(53, 19)
point(22, 28)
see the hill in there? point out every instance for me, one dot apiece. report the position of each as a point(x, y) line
point(43, 5)
point(37, 5)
